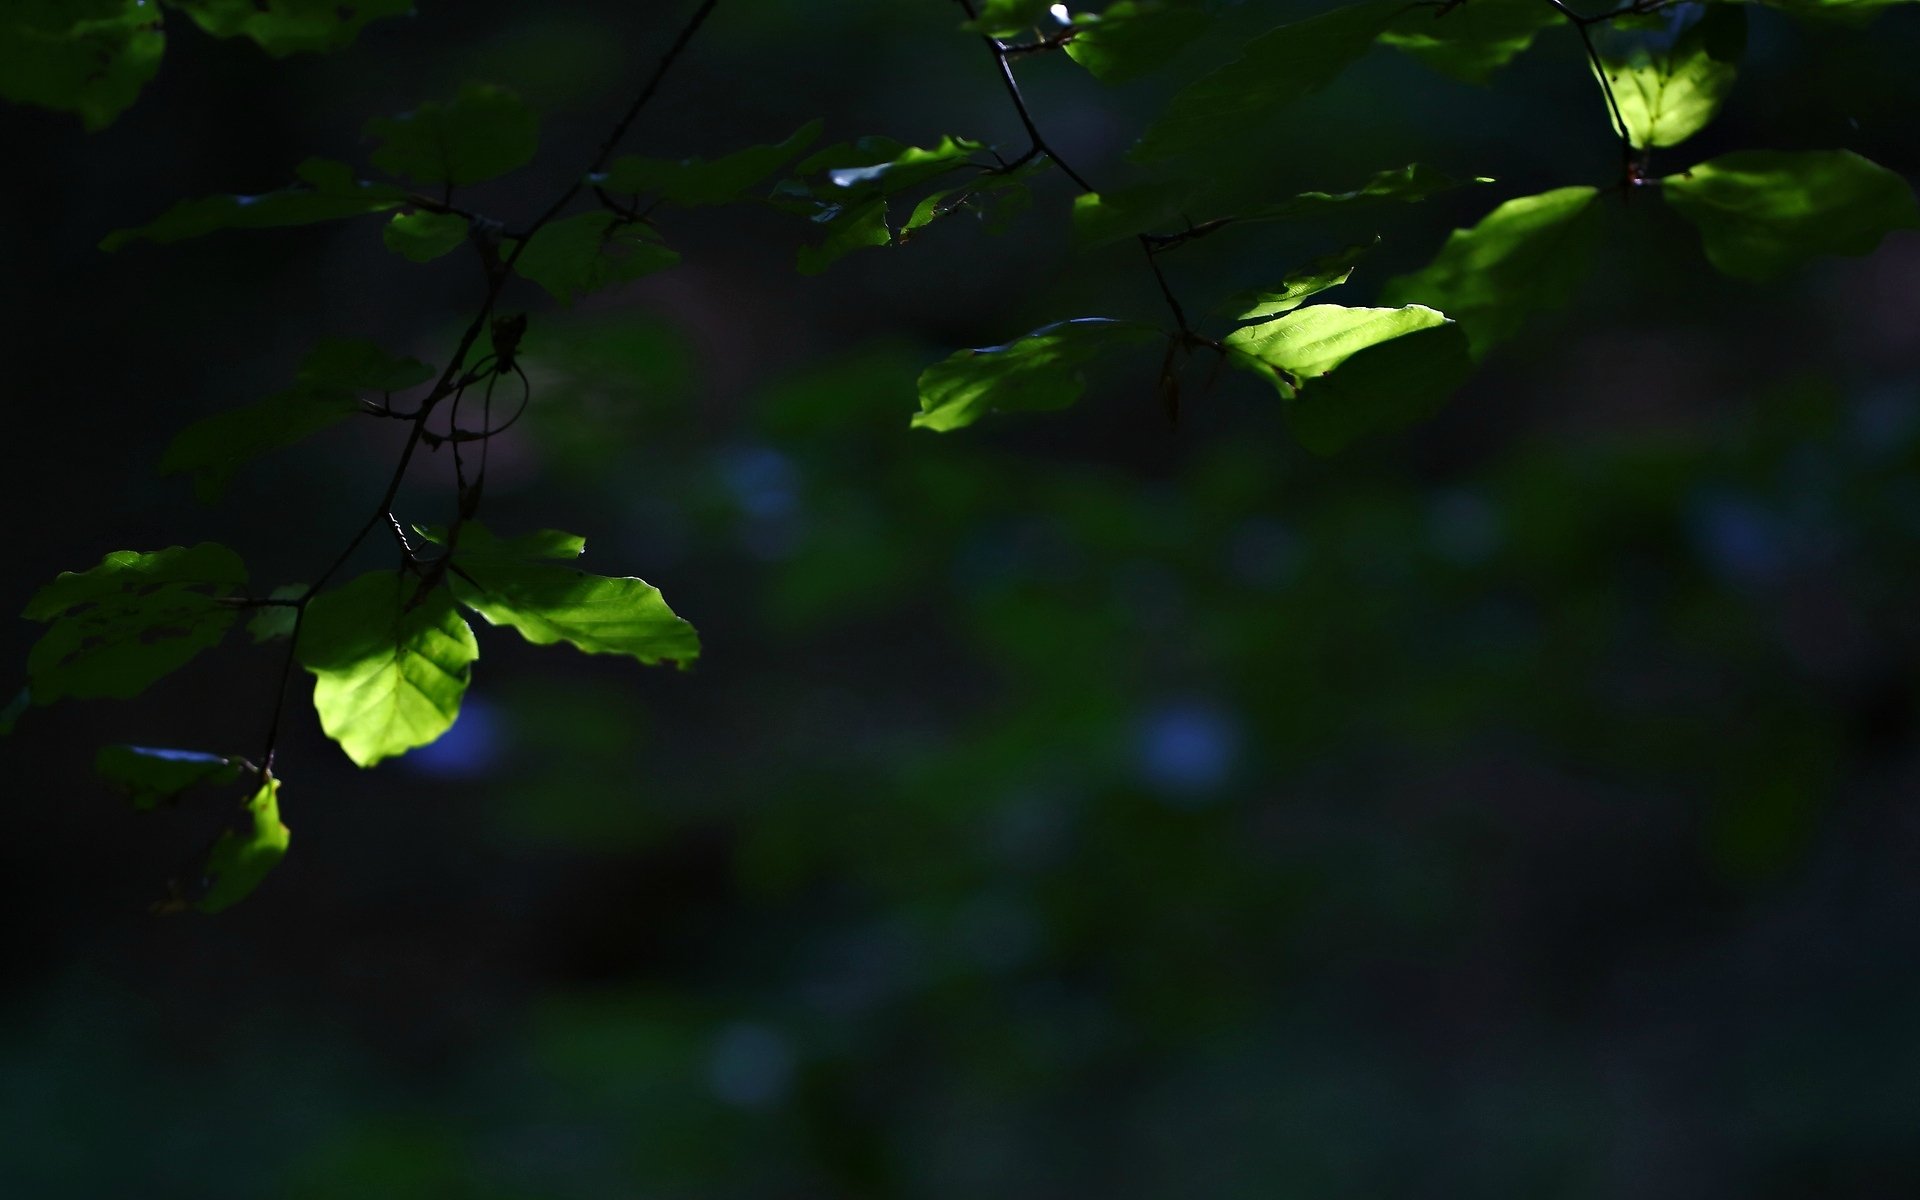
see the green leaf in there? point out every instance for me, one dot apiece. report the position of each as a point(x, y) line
point(242, 858)
point(1133, 37)
point(1110, 217)
point(995, 197)
point(1527, 255)
point(1039, 371)
point(505, 582)
point(326, 392)
point(332, 194)
point(481, 134)
point(1762, 212)
point(1470, 40)
point(389, 665)
point(1327, 271)
point(1276, 69)
point(844, 189)
point(693, 182)
point(271, 622)
point(148, 776)
point(424, 236)
point(16, 707)
point(115, 629)
point(1839, 12)
point(89, 57)
point(282, 27)
point(1347, 372)
point(577, 255)
point(1009, 18)
point(1670, 83)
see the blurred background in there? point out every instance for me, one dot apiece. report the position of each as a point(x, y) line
point(1077, 805)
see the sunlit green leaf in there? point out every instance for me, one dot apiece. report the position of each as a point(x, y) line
point(283, 27)
point(1041, 370)
point(1129, 38)
point(116, 628)
point(1347, 372)
point(1473, 39)
point(1762, 212)
point(692, 182)
point(149, 776)
point(242, 858)
point(424, 236)
point(1669, 83)
point(483, 133)
point(1275, 70)
point(327, 391)
point(505, 582)
point(390, 666)
point(844, 189)
point(1525, 256)
point(1322, 273)
point(331, 194)
point(577, 255)
point(89, 57)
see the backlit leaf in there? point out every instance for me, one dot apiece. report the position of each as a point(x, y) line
point(479, 135)
point(1129, 38)
point(1670, 82)
point(1470, 40)
point(1346, 372)
point(1275, 70)
point(424, 236)
point(243, 857)
point(1762, 212)
point(331, 194)
point(89, 57)
point(692, 182)
point(149, 776)
point(1322, 273)
point(577, 255)
point(1527, 255)
point(331, 381)
point(389, 666)
point(1039, 371)
point(116, 628)
point(282, 27)
point(505, 582)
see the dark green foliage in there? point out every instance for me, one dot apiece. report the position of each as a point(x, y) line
point(1762, 212)
point(482, 133)
point(149, 776)
point(332, 193)
point(577, 255)
point(1042, 370)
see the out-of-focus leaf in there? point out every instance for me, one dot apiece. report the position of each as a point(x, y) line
point(115, 629)
point(692, 182)
point(1276, 69)
point(1042, 370)
point(1762, 212)
point(1473, 39)
point(1325, 272)
point(242, 858)
point(504, 582)
point(1347, 372)
point(577, 255)
point(282, 27)
point(149, 776)
point(326, 392)
point(89, 57)
point(1527, 255)
point(1669, 83)
point(331, 194)
point(479, 135)
point(1129, 38)
point(389, 666)
point(423, 236)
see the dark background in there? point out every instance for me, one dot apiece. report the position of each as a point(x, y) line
point(1072, 806)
